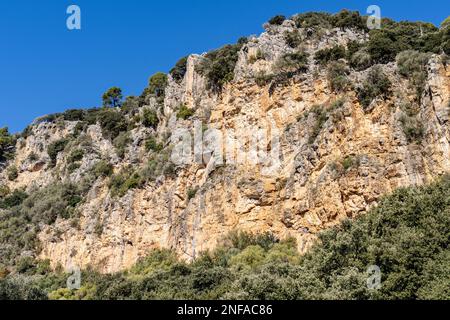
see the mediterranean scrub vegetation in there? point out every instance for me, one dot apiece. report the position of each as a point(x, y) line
point(406, 236)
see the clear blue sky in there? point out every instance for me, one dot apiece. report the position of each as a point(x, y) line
point(45, 68)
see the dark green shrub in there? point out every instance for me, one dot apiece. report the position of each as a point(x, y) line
point(293, 38)
point(13, 173)
point(349, 19)
point(55, 148)
point(150, 119)
point(12, 200)
point(123, 181)
point(313, 20)
point(121, 143)
point(112, 123)
point(335, 53)
point(292, 63)
point(113, 97)
point(376, 85)
point(157, 84)
point(191, 193)
point(152, 145)
point(338, 76)
point(277, 20)
point(4, 191)
point(73, 115)
point(102, 169)
point(179, 71)
point(75, 156)
point(413, 66)
point(184, 112)
point(218, 66)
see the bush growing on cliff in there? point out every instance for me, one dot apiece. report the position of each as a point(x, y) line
point(277, 20)
point(13, 173)
point(292, 63)
point(218, 66)
point(184, 112)
point(178, 72)
point(55, 148)
point(157, 84)
point(413, 66)
point(377, 84)
point(338, 76)
point(335, 53)
point(112, 123)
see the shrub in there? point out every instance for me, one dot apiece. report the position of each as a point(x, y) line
point(258, 56)
point(112, 123)
point(218, 66)
point(335, 53)
point(313, 20)
point(55, 148)
point(4, 191)
point(157, 84)
point(13, 173)
point(376, 85)
point(349, 19)
point(73, 115)
point(321, 117)
point(413, 66)
point(150, 119)
point(102, 169)
point(361, 60)
point(121, 143)
point(277, 20)
point(113, 97)
point(152, 145)
point(292, 63)
point(123, 181)
point(184, 112)
point(178, 72)
point(75, 156)
point(412, 128)
point(191, 193)
point(338, 76)
point(292, 38)
point(12, 200)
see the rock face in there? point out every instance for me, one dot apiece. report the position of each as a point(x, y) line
point(285, 182)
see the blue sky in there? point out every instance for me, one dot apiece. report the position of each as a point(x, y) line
point(45, 68)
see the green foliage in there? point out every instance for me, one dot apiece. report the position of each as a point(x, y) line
point(121, 143)
point(313, 20)
point(102, 169)
point(152, 145)
point(277, 20)
point(413, 66)
point(4, 191)
point(113, 97)
point(293, 38)
point(157, 84)
point(12, 173)
point(178, 72)
point(191, 193)
point(75, 156)
point(123, 181)
point(18, 289)
point(377, 84)
point(74, 115)
point(338, 76)
point(218, 66)
point(10, 200)
point(7, 142)
point(112, 123)
point(150, 118)
point(184, 112)
point(346, 19)
point(413, 128)
point(290, 64)
point(55, 148)
point(321, 117)
point(335, 53)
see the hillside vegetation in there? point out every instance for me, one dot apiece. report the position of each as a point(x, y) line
point(407, 236)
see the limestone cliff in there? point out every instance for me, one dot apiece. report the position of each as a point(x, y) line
point(328, 165)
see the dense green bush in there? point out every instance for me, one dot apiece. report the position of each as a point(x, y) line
point(184, 112)
point(123, 181)
point(277, 20)
point(152, 145)
point(293, 38)
point(150, 118)
point(292, 63)
point(112, 123)
point(55, 148)
point(412, 126)
point(218, 66)
point(335, 53)
point(413, 66)
point(338, 76)
point(377, 84)
point(178, 72)
point(313, 20)
point(13, 173)
point(75, 156)
point(121, 143)
point(102, 169)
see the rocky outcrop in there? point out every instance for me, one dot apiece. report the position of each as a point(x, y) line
point(287, 183)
